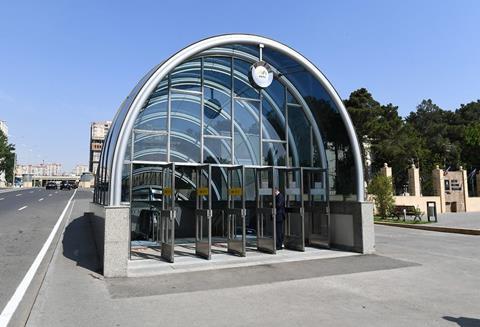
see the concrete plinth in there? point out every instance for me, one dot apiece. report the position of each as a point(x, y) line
point(351, 226)
point(111, 229)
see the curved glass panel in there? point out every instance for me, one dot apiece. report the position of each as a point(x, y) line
point(247, 132)
point(187, 76)
point(206, 110)
point(327, 123)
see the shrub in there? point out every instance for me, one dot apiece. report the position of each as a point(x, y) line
point(381, 188)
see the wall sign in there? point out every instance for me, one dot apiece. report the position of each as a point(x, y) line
point(261, 75)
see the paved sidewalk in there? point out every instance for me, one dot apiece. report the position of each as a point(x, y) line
point(417, 278)
point(460, 220)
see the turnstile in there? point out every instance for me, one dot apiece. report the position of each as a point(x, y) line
point(316, 206)
point(265, 211)
point(294, 223)
point(235, 211)
point(166, 224)
point(203, 212)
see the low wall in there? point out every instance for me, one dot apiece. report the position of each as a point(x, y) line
point(111, 228)
point(351, 226)
point(419, 202)
point(473, 204)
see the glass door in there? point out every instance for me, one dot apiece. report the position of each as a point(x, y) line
point(316, 207)
point(265, 211)
point(294, 223)
point(167, 220)
point(236, 212)
point(203, 212)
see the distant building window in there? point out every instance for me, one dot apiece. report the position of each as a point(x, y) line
point(447, 185)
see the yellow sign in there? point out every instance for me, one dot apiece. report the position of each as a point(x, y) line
point(167, 191)
point(235, 191)
point(202, 191)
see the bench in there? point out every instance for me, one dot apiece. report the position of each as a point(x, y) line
point(398, 212)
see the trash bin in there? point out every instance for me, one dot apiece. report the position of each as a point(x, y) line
point(432, 211)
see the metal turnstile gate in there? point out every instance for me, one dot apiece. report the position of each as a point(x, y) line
point(316, 207)
point(236, 212)
point(265, 211)
point(166, 225)
point(294, 223)
point(203, 212)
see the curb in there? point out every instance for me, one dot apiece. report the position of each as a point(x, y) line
point(454, 230)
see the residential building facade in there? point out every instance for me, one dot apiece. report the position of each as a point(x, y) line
point(98, 133)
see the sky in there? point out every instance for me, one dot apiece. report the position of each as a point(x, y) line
point(64, 64)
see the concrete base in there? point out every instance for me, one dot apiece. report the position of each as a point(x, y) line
point(351, 229)
point(351, 226)
point(111, 228)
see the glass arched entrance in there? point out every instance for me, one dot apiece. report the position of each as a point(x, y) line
point(197, 151)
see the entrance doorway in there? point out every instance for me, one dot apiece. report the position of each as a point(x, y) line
point(202, 210)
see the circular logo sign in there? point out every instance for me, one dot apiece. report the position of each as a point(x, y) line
point(261, 75)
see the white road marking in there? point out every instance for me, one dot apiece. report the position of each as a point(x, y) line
point(50, 194)
point(18, 194)
point(56, 192)
point(30, 192)
point(2, 199)
point(14, 301)
point(41, 199)
point(22, 208)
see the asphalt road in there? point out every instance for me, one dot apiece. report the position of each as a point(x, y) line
point(27, 217)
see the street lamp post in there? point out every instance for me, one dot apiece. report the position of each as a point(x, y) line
point(13, 168)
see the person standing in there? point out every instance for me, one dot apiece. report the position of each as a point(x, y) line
point(279, 217)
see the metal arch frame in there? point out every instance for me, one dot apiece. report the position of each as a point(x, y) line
point(139, 95)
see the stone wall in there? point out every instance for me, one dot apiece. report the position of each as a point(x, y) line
point(419, 202)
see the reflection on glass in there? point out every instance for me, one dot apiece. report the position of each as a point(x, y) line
point(146, 201)
point(241, 84)
point(274, 154)
point(273, 121)
point(185, 127)
point(187, 76)
point(153, 117)
point(247, 132)
point(149, 146)
point(217, 113)
point(300, 145)
point(217, 151)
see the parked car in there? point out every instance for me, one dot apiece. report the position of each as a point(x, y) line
point(51, 186)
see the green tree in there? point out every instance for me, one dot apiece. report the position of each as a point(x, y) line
point(391, 139)
point(7, 156)
point(442, 138)
point(381, 188)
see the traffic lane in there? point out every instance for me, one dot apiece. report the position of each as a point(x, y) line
point(12, 201)
point(22, 235)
